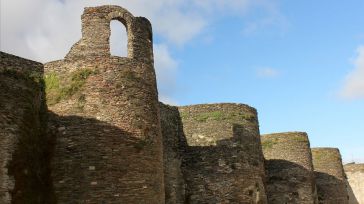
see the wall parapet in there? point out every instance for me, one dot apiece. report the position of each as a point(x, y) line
point(289, 168)
point(330, 175)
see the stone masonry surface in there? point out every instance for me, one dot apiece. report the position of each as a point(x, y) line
point(90, 129)
point(174, 145)
point(330, 175)
point(108, 144)
point(289, 168)
point(355, 185)
point(24, 172)
point(223, 160)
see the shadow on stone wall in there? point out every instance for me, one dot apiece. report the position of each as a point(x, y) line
point(330, 189)
point(352, 198)
point(24, 152)
point(227, 172)
point(174, 143)
point(222, 173)
point(286, 181)
point(94, 161)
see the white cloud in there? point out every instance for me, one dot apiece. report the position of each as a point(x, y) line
point(166, 68)
point(272, 19)
point(45, 30)
point(353, 87)
point(267, 72)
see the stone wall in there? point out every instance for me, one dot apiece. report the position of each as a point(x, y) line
point(108, 144)
point(24, 172)
point(355, 184)
point(330, 176)
point(289, 168)
point(223, 162)
point(96, 34)
point(174, 145)
point(106, 139)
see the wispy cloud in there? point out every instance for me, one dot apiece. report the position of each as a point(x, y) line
point(267, 72)
point(166, 68)
point(45, 30)
point(353, 87)
point(271, 19)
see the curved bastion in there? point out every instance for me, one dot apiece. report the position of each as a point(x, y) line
point(24, 172)
point(330, 175)
point(223, 160)
point(289, 168)
point(355, 182)
point(105, 138)
point(108, 143)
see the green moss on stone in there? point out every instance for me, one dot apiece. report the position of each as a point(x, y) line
point(268, 144)
point(58, 89)
point(318, 155)
point(183, 115)
point(300, 139)
point(81, 101)
point(215, 115)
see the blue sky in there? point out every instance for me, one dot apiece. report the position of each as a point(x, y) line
point(300, 63)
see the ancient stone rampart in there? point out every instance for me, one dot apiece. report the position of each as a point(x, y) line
point(330, 176)
point(223, 160)
point(108, 144)
point(355, 184)
point(24, 172)
point(174, 144)
point(289, 168)
point(107, 139)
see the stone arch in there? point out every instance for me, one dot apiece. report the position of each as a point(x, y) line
point(96, 34)
point(125, 18)
point(118, 39)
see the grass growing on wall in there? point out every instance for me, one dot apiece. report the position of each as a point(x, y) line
point(268, 144)
point(58, 89)
point(300, 139)
point(215, 115)
point(220, 115)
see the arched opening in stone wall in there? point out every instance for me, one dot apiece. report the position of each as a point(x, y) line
point(118, 39)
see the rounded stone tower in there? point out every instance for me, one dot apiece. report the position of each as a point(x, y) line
point(289, 168)
point(108, 145)
point(355, 184)
point(330, 175)
point(223, 160)
point(24, 172)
